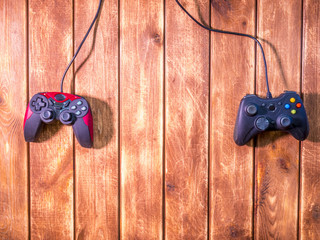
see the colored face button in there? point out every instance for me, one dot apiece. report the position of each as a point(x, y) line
point(292, 100)
point(79, 103)
point(287, 106)
point(298, 105)
point(293, 111)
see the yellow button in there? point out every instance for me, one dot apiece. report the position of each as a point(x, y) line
point(292, 100)
point(293, 111)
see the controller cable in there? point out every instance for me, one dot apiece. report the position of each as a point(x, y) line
point(84, 39)
point(269, 95)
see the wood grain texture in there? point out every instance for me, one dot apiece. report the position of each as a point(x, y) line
point(51, 160)
point(277, 154)
point(141, 118)
point(186, 125)
point(164, 164)
point(232, 76)
point(310, 173)
point(13, 100)
point(96, 176)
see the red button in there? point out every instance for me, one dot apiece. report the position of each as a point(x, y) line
point(298, 105)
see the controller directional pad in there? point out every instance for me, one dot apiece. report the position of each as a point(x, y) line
point(38, 104)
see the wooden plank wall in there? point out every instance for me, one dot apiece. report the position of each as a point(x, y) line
point(164, 95)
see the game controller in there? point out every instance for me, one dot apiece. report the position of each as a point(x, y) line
point(69, 109)
point(284, 113)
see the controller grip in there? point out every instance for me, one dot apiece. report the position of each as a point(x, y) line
point(32, 126)
point(243, 137)
point(244, 130)
point(301, 132)
point(83, 129)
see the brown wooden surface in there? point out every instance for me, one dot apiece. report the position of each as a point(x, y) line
point(51, 160)
point(231, 166)
point(96, 170)
point(186, 123)
point(277, 154)
point(13, 96)
point(141, 116)
point(164, 95)
point(310, 171)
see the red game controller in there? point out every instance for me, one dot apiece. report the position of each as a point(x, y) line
point(69, 109)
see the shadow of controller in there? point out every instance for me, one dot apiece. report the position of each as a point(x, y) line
point(103, 122)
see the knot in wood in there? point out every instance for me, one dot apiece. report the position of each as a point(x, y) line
point(156, 38)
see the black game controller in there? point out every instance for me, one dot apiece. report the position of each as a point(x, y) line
point(284, 113)
point(68, 108)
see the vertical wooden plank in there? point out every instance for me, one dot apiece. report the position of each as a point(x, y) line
point(13, 96)
point(96, 176)
point(277, 154)
point(51, 160)
point(310, 173)
point(233, 76)
point(141, 118)
point(186, 125)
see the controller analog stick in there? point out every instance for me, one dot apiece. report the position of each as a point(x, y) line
point(252, 110)
point(47, 115)
point(285, 122)
point(262, 123)
point(66, 117)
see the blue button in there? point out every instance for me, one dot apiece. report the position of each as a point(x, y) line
point(287, 106)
